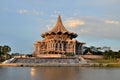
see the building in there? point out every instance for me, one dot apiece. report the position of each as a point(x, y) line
point(58, 41)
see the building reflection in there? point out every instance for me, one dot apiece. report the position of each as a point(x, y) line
point(54, 73)
point(32, 71)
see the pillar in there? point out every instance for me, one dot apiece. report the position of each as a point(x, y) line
point(58, 47)
point(74, 48)
point(62, 46)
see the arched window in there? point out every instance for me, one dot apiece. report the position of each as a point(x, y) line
point(60, 45)
point(56, 45)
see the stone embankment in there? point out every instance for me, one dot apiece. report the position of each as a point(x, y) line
point(44, 62)
point(59, 62)
point(60, 65)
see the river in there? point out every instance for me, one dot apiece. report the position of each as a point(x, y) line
point(59, 73)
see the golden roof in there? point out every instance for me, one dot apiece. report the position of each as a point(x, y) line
point(59, 28)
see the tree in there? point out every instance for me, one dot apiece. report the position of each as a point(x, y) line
point(109, 55)
point(4, 50)
point(1, 52)
point(94, 50)
point(119, 51)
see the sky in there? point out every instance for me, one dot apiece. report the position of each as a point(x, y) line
point(97, 22)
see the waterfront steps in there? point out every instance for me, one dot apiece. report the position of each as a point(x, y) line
point(45, 60)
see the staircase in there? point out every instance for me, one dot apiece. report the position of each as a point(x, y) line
point(45, 60)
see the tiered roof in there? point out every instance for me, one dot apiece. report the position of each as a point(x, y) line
point(59, 28)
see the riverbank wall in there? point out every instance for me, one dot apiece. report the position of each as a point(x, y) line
point(61, 65)
point(40, 65)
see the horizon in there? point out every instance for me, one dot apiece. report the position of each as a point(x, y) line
point(97, 23)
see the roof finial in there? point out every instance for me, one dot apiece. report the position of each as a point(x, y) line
point(59, 16)
point(59, 19)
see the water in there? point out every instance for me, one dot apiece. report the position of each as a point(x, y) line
point(59, 73)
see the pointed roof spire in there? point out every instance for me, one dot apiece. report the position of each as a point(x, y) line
point(59, 26)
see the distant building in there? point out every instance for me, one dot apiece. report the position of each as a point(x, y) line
point(105, 48)
point(18, 55)
point(58, 41)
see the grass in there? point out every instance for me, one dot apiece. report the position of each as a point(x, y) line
point(105, 63)
point(105, 60)
point(113, 65)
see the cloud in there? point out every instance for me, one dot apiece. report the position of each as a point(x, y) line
point(56, 13)
point(36, 12)
point(25, 11)
point(73, 23)
point(22, 11)
point(111, 22)
point(104, 2)
point(49, 27)
point(96, 28)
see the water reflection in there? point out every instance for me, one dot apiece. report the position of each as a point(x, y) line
point(54, 73)
point(59, 73)
point(32, 71)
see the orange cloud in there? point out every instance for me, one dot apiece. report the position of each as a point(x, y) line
point(73, 23)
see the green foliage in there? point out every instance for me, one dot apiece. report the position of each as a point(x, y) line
point(113, 65)
point(93, 50)
point(105, 60)
point(4, 50)
point(111, 55)
point(29, 55)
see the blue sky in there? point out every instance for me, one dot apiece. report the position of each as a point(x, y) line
point(97, 22)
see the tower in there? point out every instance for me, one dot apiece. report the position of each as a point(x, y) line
point(58, 41)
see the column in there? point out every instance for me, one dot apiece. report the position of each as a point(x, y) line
point(75, 49)
point(46, 46)
point(62, 46)
point(50, 45)
point(58, 46)
point(81, 47)
point(38, 47)
point(54, 46)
